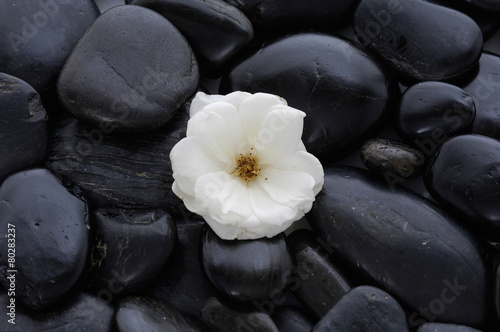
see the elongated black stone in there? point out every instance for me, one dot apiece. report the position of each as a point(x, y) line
point(404, 242)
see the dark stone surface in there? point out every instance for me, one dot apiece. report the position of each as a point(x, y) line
point(419, 40)
point(364, 309)
point(36, 37)
point(215, 30)
point(50, 236)
point(23, 126)
point(316, 282)
point(431, 112)
point(391, 159)
point(492, 5)
point(343, 92)
point(117, 77)
point(229, 318)
point(144, 314)
point(129, 247)
point(292, 319)
point(442, 327)
point(113, 169)
point(286, 15)
point(465, 177)
point(408, 245)
point(79, 312)
point(183, 283)
point(485, 90)
point(246, 270)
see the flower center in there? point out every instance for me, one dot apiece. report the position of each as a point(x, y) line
point(247, 167)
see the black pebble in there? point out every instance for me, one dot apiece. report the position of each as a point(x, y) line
point(292, 319)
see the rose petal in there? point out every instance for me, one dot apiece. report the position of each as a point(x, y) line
point(190, 159)
point(288, 188)
point(212, 131)
point(254, 110)
point(302, 161)
point(188, 200)
point(202, 99)
point(280, 134)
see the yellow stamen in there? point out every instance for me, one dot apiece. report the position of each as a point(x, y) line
point(247, 167)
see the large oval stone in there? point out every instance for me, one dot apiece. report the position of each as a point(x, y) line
point(342, 90)
point(215, 29)
point(49, 227)
point(485, 91)
point(465, 176)
point(38, 36)
point(419, 40)
point(23, 126)
point(408, 245)
point(118, 77)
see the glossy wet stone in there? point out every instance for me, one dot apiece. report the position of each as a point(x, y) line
point(365, 308)
point(420, 41)
point(391, 159)
point(144, 314)
point(121, 170)
point(292, 319)
point(182, 283)
point(431, 112)
point(404, 242)
point(230, 318)
point(23, 126)
point(316, 282)
point(282, 15)
point(51, 237)
point(485, 90)
point(117, 77)
point(129, 247)
point(246, 270)
point(443, 327)
point(78, 312)
point(344, 103)
point(38, 36)
point(465, 176)
point(215, 30)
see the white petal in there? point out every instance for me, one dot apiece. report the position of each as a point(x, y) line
point(212, 131)
point(302, 161)
point(289, 188)
point(190, 159)
point(267, 210)
point(280, 134)
point(254, 110)
point(189, 201)
point(202, 99)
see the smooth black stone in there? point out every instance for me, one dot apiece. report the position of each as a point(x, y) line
point(117, 77)
point(485, 90)
point(492, 5)
point(286, 15)
point(246, 270)
point(80, 312)
point(486, 20)
point(392, 159)
point(117, 170)
point(215, 30)
point(144, 314)
point(419, 40)
point(431, 112)
point(231, 319)
point(406, 244)
point(292, 319)
point(465, 176)
point(497, 291)
point(442, 327)
point(23, 126)
point(129, 247)
point(316, 281)
point(344, 103)
point(365, 308)
point(36, 37)
point(183, 283)
point(51, 236)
